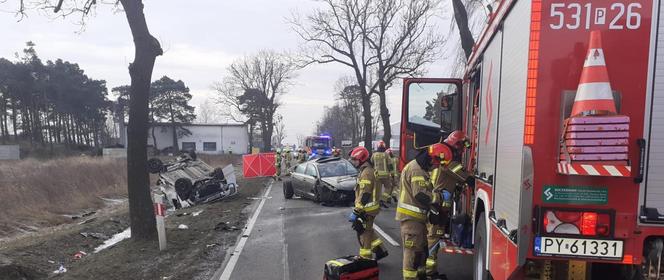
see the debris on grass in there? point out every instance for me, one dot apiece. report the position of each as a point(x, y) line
point(197, 213)
point(183, 226)
point(114, 240)
point(95, 235)
point(60, 270)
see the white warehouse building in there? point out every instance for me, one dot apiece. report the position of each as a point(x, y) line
point(204, 138)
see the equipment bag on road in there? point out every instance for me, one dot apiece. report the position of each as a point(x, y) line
point(351, 268)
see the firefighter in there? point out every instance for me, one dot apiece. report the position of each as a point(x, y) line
point(394, 173)
point(414, 209)
point(367, 207)
point(277, 164)
point(458, 142)
point(336, 152)
point(382, 164)
point(301, 156)
point(288, 158)
point(444, 180)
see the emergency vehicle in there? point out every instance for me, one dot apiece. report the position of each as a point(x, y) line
point(564, 104)
point(319, 145)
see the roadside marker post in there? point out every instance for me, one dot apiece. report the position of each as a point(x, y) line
point(159, 211)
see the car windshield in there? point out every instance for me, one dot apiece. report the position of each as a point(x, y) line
point(336, 168)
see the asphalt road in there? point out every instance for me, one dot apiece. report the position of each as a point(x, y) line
point(292, 239)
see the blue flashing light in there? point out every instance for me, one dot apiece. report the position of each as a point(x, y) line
point(328, 152)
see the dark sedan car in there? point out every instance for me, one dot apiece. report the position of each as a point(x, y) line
point(326, 179)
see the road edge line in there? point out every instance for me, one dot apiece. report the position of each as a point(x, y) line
point(385, 235)
point(230, 265)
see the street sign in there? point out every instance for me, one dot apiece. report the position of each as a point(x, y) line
point(575, 195)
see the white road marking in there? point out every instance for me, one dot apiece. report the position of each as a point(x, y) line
point(384, 235)
point(245, 236)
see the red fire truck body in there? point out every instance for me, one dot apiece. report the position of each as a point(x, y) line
point(550, 186)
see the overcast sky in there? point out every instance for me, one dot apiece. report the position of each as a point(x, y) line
point(200, 39)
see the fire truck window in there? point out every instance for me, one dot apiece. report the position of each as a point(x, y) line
point(433, 105)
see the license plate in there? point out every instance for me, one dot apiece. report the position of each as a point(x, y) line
point(589, 248)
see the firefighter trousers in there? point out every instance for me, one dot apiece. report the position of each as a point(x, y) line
point(434, 234)
point(369, 240)
point(414, 240)
point(387, 187)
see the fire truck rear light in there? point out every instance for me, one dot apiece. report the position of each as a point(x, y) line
point(589, 223)
point(579, 223)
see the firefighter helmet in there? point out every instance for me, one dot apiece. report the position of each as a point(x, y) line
point(361, 154)
point(389, 152)
point(381, 144)
point(457, 139)
point(440, 153)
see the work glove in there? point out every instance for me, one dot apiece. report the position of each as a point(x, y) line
point(352, 217)
point(436, 215)
point(447, 198)
point(360, 213)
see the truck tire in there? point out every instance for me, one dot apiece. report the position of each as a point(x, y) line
point(288, 189)
point(155, 165)
point(479, 258)
point(183, 187)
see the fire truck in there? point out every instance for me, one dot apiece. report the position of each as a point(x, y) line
point(563, 102)
point(318, 145)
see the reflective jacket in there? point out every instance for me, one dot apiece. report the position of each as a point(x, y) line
point(446, 177)
point(367, 183)
point(381, 163)
point(394, 166)
point(414, 180)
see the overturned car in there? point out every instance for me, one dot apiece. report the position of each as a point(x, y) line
point(188, 181)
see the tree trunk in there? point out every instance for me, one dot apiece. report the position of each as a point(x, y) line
point(366, 111)
point(384, 114)
point(154, 138)
point(175, 130)
point(14, 122)
point(461, 17)
point(147, 48)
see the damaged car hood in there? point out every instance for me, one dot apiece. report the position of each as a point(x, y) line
point(342, 183)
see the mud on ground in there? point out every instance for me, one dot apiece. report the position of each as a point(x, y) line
point(193, 253)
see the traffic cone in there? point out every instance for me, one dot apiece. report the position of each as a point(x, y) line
point(594, 96)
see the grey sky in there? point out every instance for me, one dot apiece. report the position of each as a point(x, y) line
point(200, 38)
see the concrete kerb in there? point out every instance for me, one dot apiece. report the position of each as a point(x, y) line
point(249, 209)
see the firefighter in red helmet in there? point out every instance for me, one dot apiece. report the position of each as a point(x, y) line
point(444, 180)
point(458, 142)
point(367, 207)
point(415, 208)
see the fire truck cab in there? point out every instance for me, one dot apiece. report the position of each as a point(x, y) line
point(563, 102)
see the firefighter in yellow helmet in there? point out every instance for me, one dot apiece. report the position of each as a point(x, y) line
point(288, 160)
point(394, 174)
point(367, 198)
point(301, 155)
point(415, 208)
point(277, 165)
point(382, 163)
point(444, 179)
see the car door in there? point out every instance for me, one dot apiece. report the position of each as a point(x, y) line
point(297, 177)
point(309, 179)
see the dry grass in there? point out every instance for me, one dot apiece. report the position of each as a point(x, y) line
point(36, 193)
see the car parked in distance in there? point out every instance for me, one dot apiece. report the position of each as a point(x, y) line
point(325, 179)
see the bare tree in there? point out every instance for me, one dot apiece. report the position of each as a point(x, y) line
point(335, 35)
point(207, 113)
point(252, 89)
point(147, 48)
point(279, 131)
point(404, 40)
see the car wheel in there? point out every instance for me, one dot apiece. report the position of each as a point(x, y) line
point(183, 187)
point(288, 189)
point(155, 165)
point(479, 259)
